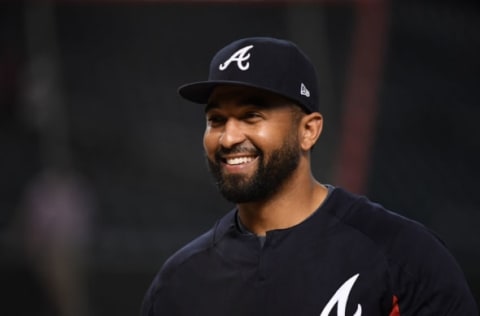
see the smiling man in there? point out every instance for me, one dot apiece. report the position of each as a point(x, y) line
point(291, 245)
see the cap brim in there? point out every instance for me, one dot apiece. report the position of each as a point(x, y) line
point(199, 92)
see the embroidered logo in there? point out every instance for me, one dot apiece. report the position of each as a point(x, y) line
point(340, 299)
point(240, 56)
point(304, 91)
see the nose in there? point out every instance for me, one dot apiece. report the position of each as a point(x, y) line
point(232, 134)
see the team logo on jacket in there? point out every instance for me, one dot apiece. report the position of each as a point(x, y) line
point(241, 56)
point(340, 299)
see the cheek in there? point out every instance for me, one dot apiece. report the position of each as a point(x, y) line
point(274, 136)
point(209, 143)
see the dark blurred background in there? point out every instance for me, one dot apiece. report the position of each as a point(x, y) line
point(102, 174)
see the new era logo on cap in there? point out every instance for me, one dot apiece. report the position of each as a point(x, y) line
point(270, 64)
point(304, 91)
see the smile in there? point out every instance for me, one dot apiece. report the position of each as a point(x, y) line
point(239, 160)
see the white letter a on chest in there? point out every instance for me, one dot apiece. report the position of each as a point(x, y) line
point(340, 299)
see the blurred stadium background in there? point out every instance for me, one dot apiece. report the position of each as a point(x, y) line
point(102, 173)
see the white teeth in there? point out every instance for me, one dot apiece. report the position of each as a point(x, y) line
point(239, 160)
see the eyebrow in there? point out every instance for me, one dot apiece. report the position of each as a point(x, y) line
point(211, 105)
point(258, 101)
point(254, 100)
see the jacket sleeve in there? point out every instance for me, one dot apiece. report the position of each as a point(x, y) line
point(426, 278)
point(157, 300)
point(147, 309)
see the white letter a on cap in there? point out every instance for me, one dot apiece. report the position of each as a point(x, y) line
point(240, 56)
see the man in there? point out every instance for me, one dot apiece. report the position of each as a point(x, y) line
point(293, 246)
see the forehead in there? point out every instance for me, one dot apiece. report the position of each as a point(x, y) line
point(239, 95)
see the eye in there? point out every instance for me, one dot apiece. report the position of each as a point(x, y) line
point(252, 116)
point(215, 119)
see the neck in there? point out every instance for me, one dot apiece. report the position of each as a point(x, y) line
point(295, 202)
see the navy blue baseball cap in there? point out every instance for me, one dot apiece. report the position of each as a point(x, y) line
point(270, 64)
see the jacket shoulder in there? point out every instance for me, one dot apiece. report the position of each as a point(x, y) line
point(422, 272)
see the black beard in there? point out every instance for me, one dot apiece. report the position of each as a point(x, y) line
point(267, 179)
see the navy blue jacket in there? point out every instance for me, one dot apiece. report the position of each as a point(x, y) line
point(351, 257)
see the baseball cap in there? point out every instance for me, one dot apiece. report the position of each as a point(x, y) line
point(266, 63)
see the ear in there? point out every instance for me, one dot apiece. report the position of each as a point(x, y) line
point(310, 130)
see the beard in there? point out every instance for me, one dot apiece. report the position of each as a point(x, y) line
point(268, 178)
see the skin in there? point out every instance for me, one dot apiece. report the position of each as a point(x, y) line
point(252, 118)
